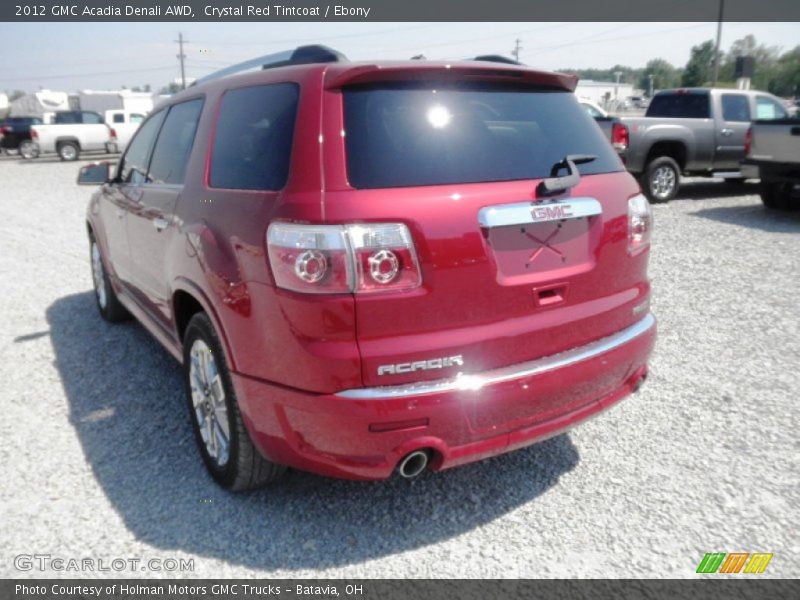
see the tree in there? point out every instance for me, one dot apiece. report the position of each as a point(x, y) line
point(698, 69)
point(172, 88)
point(15, 94)
point(664, 75)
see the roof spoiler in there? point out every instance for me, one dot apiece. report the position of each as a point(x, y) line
point(302, 55)
point(496, 58)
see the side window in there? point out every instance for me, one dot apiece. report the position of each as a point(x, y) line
point(767, 108)
point(593, 112)
point(119, 118)
point(174, 144)
point(91, 118)
point(137, 118)
point(133, 166)
point(735, 107)
point(253, 141)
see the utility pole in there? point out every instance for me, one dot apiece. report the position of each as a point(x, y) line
point(716, 47)
point(181, 57)
point(517, 48)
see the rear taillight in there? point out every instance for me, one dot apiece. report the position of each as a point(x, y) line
point(34, 135)
point(619, 136)
point(330, 259)
point(112, 133)
point(748, 141)
point(640, 224)
point(4, 130)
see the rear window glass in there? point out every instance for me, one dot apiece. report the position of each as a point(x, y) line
point(253, 141)
point(686, 105)
point(399, 136)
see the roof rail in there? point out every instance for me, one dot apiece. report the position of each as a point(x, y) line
point(302, 55)
point(496, 58)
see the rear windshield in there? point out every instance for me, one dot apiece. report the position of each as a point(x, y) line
point(398, 136)
point(679, 105)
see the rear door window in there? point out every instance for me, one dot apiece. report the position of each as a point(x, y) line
point(406, 135)
point(171, 153)
point(253, 140)
point(686, 105)
point(735, 107)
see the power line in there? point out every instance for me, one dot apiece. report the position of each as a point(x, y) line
point(97, 74)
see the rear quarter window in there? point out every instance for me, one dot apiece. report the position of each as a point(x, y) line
point(406, 135)
point(253, 138)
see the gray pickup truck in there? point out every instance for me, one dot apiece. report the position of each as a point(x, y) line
point(694, 131)
point(773, 155)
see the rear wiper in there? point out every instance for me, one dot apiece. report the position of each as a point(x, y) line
point(554, 184)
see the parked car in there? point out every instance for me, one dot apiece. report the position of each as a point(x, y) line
point(427, 264)
point(773, 152)
point(612, 127)
point(123, 124)
point(15, 134)
point(72, 133)
point(693, 131)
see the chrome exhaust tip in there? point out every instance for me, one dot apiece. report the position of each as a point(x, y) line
point(413, 464)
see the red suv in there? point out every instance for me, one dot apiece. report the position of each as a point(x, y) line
point(376, 267)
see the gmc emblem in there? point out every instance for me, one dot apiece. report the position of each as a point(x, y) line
point(551, 213)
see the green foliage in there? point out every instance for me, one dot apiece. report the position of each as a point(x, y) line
point(699, 68)
point(664, 75)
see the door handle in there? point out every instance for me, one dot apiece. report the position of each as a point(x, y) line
point(726, 132)
point(160, 224)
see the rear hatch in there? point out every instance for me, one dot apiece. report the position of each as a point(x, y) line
point(508, 274)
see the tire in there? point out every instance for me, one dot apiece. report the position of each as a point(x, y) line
point(108, 304)
point(214, 409)
point(661, 179)
point(28, 150)
point(777, 195)
point(68, 151)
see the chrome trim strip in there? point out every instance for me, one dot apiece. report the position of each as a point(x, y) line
point(522, 213)
point(464, 382)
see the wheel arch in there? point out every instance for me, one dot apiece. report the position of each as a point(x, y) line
point(674, 149)
point(187, 300)
point(70, 139)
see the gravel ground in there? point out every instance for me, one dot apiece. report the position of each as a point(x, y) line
point(98, 458)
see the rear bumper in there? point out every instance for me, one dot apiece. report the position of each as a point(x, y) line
point(364, 433)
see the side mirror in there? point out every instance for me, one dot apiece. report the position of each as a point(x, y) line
point(95, 174)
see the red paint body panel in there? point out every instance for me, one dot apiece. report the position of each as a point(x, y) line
point(290, 353)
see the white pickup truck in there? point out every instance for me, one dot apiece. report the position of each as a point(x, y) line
point(71, 133)
point(123, 124)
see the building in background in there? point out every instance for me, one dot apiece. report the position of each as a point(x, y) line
point(39, 104)
point(607, 94)
point(4, 106)
point(101, 101)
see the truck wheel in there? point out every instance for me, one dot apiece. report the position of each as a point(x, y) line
point(661, 179)
point(28, 150)
point(777, 195)
point(68, 151)
point(226, 448)
point(107, 302)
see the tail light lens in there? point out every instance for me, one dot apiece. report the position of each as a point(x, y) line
point(748, 141)
point(640, 224)
point(34, 134)
point(330, 259)
point(619, 136)
point(112, 133)
point(4, 130)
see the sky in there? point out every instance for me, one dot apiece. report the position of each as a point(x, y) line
point(77, 56)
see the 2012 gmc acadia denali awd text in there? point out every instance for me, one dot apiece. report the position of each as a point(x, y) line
point(369, 268)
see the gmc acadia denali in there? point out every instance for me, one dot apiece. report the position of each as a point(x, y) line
point(369, 268)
